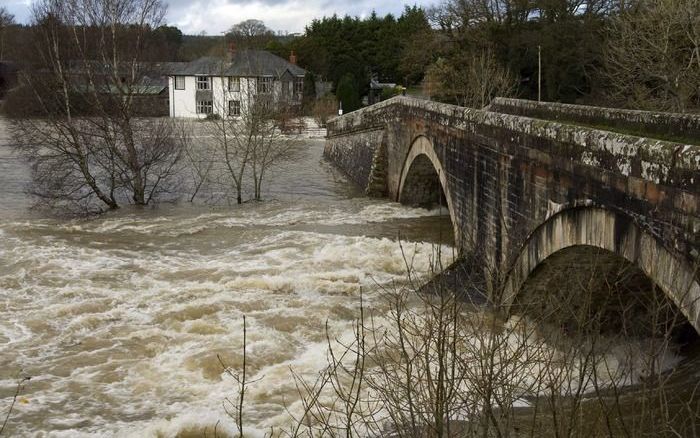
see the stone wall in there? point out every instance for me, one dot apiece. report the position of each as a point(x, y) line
point(644, 123)
point(510, 182)
point(657, 161)
point(422, 186)
point(355, 153)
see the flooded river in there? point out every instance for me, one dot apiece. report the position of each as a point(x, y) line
point(119, 319)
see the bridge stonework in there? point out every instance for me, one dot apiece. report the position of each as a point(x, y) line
point(522, 189)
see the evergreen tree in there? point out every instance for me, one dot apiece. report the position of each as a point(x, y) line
point(348, 94)
point(309, 97)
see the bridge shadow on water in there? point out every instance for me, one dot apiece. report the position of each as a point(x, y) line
point(593, 298)
point(587, 234)
point(602, 305)
point(591, 303)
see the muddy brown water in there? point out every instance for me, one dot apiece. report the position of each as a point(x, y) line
point(119, 319)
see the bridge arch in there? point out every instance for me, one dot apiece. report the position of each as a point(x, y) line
point(423, 180)
point(602, 235)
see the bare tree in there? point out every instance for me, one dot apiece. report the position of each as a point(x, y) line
point(199, 165)
point(248, 137)
point(233, 141)
point(436, 366)
point(6, 19)
point(653, 55)
point(271, 147)
point(89, 149)
point(472, 80)
point(250, 34)
point(234, 408)
point(325, 108)
point(456, 16)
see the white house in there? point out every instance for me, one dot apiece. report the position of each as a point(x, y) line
point(228, 87)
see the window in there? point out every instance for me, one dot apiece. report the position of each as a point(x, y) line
point(234, 107)
point(265, 85)
point(234, 84)
point(203, 83)
point(298, 86)
point(179, 82)
point(263, 104)
point(204, 107)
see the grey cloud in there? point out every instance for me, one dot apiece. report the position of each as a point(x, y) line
point(215, 16)
point(192, 15)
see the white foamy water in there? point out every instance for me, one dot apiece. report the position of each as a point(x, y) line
point(119, 320)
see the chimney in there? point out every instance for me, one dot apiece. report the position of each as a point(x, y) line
point(231, 50)
point(293, 58)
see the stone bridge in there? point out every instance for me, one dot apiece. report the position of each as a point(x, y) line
point(528, 182)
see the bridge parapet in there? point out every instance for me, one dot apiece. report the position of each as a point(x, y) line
point(675, 127)
point(510, 180)
point(659, 161)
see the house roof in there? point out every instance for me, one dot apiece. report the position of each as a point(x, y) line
point(243, 63)
point(138, 89)
point(158, 69)
point(149, 74)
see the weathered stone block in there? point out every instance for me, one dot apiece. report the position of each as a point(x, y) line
point(506, 179)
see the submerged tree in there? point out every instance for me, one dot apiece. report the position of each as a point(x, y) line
point(245, 139)
point(88, 149)
point(250, 146)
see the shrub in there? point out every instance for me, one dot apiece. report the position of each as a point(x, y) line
point(324, 109)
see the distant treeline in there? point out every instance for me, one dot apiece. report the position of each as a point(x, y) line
point(630, 53)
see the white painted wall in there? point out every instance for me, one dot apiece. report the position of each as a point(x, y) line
point(221, 94)
point(183, 102)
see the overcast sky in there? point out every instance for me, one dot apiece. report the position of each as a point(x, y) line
point(215, 16)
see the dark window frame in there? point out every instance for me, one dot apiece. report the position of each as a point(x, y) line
point(234, 105)
point(205, 107)
point(299, 86)
point(203, 84)
point(265, 84)
point(236, 81)
point(182, 78)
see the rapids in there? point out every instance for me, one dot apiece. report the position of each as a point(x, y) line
point(119, 319)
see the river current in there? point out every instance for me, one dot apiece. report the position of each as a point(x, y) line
point(119, 319)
